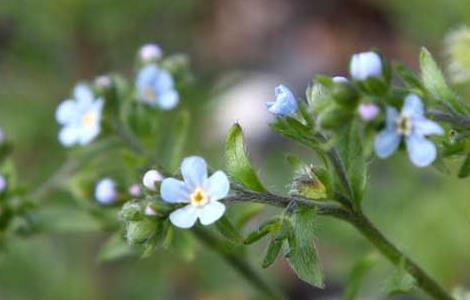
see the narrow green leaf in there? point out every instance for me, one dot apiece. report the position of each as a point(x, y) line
point(274, 248)
point(114, 248)
point(263, 230)
point(228, 230)
point(357, 276)
point(465, 168)
point(435, 83)
point(303, 256)
point(408, 77)
point(237, 162)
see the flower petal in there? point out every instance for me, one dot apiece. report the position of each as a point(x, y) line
point(184, 217)
point(83, 95)
point(164, 81)
point(285, 103)
point(174, 191)
point(168, 100)
point(69, 135)
point(88, 134)
point(194, 171)
point(210, 213)
point(413, 106)
point(427, 127)
point(386, 142)
point(66, 111)
point(217, 186)
point(392, 115)
point(422, 152)
point(364, 65)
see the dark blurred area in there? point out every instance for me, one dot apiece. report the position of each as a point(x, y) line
point(239, 51)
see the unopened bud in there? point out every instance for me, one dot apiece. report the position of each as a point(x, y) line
point(151, 178)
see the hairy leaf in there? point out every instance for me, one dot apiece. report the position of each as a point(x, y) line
point(237, 162)
point(465, 168)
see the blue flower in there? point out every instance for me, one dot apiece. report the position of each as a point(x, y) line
point(202, 193)
point(3, 183)
point(80, 117)
point(105, 191)
point(364, 65)
point(156, 87)
point(412, 125)
point(284, 103)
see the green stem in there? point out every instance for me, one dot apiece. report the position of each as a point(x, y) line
point(362, 224)
point(238, 263)
point(451, 118)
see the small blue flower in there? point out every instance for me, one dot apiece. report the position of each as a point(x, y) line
point(105, 191)
point(80, 117)
point(156, 87)
point(201, 192)
point(284, 103)
point(3, 183)
point(364, 65)
point(412, 125)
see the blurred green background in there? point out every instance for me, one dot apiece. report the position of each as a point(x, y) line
point(239, 50)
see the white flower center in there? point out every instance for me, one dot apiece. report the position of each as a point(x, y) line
point(89, 119)
point(404, 125)
point(199, 197)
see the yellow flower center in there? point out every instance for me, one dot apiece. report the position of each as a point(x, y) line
point(89, 119)
point(149, 94)
point(404, 125)
point(199, 197)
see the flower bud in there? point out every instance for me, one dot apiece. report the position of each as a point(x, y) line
point(140, 231)
point(105, 191)
point(368, 111)
point(149, 211)
point(135, 190)
point(151, 178)
point(3, 183)
point(365, 65)
point(103, 82)
point(309, 185)
point(340, 79)
point(131, 211)
point(150, 52)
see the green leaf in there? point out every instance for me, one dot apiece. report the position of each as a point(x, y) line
point(352, 151)
point(263, 230)
point(114, 248)
point(400, 282)
point(357, 276)
point(274, 248)
point(465, 168)
point(408, 77)
point(228, 230)
point(303, 256)
point(435, 83)
point(237, 162)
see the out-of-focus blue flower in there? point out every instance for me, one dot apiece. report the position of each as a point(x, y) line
point(340, 79)
point(80, 117)
point(149, 52)
point(105, 191)
point(156, 87)
point(284, 103)
point(364, 65)
point(201, 192)
point(412, 125)
point(150, 179)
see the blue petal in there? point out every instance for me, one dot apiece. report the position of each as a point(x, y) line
point(88, 134)
point(413, 106)
point(421, 151)
point(164, 82)
point(174, 191)
point(83, 94)
point(217, 186)
point(66, 111)
point(194, 171)
point(168, 100)
point(285, 104)
point(392, 115)
point(427, 127)
point(386, 142)
point(211, 212)
point(69, 136)
point(184, 217)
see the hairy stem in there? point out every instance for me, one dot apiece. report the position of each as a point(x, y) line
point(451, 118)
point(238, 263)
point(362, 224)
